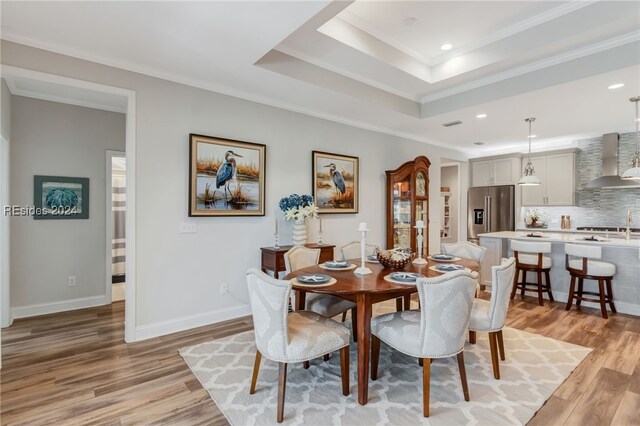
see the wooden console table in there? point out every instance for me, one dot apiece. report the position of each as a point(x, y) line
point(273, 260)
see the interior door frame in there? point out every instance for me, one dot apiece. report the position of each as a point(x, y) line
point(130, 149)
point(110, 155)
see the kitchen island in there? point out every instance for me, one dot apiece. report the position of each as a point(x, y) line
point(625, 254)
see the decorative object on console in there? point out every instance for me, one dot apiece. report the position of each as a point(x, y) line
point(633, 173)
point(298, 208)
point(335, 182)
point(528, 178)
point(226, 177)
point(276, 236)
point(60, 197)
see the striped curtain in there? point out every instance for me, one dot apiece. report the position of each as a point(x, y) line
point(118, 207)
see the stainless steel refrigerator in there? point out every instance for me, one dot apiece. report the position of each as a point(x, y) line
point(491, 209)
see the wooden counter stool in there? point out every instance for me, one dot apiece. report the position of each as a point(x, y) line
point(530, 258)
point(591, 270)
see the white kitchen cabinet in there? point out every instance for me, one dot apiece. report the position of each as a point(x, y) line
point(495, 171)
point(557, 177)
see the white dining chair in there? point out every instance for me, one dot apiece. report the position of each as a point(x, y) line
point(324, 304)
point(286, 337)
point(490, 316)
point(352, 250)
point(437, 330)
point(465, 250)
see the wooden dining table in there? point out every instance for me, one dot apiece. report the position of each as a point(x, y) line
point(365, 290)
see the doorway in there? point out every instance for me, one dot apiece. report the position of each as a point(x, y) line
point(116, 204)
point(450, 197)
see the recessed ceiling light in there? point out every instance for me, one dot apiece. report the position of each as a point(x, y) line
point(481, 116)
point(446, 46)
point(615, 86)
point(478, 143)
point(533, 136)
point(410, 21)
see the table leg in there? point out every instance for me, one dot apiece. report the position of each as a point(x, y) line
point(364, 343)
point(300, 300)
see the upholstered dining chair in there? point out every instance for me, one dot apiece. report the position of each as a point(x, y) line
point(437, 330)
point(352, 250)
point(326, 305)
point(489, 316)
point(286, 337)
point(465, 250)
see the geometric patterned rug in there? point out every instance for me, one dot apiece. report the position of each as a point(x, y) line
point(535, 367)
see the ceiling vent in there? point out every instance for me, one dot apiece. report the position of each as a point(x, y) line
point(452, 123)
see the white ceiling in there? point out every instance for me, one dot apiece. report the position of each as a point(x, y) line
point(359, 64)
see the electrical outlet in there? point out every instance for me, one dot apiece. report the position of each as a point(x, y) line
point(224, 288)
point(71, 281)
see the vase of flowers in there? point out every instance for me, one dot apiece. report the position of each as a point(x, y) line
point(298, 208)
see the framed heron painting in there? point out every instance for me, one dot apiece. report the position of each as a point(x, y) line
point(226, 177)
point(335, 182)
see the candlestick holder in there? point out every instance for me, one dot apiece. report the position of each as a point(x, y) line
point(276, 243)
point(320, 243)
point(363, 270)
point(419, 260)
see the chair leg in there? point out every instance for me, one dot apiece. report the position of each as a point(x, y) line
point(344, 369)
point(282, 387)
point(426, 385)
point(548, 281)
point(326, 357)
point(493, 346)
point(580, 284)
point(610, 296)
point(344, 316)
point(420, 362)
point(407, 302)
point(463, 376)
point(375, 356)
point(354, 323)
point(524, 281)
point(603, 304)
point(515, 284)
point(398, 304)
point(572, 288)
point(256, 369)
point(306, 365)
point(472, 337)
point(501, 345)
point(540, 300)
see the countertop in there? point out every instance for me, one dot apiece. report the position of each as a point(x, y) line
point(563, 238)
point(573, 231)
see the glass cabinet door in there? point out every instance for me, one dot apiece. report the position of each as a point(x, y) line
point(421, 185)
point(402, 214)
point(422, 213)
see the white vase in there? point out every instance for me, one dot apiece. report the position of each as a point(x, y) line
point(299, 232)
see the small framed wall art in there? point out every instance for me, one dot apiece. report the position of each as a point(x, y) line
point(335, 182)
point(61, 197)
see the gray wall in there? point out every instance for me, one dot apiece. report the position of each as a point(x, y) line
point(179, 275)
point(50, 138)
point(5, 110)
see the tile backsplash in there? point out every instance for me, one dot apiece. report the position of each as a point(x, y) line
point(600, 207)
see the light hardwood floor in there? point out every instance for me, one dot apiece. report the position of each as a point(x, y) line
point(74, 368)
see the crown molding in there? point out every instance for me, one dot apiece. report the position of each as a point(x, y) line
point(217, 88)
point(512, 30)
point(591, 49)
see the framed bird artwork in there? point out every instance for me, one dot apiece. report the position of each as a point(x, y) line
point(335, 182)
point(226, 177)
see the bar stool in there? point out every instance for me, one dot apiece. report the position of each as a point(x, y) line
point(591, 270)
point(532, 259)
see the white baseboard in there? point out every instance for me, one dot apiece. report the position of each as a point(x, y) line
point(192, 321)
point(54, 307)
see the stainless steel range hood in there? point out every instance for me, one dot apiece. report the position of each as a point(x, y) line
point(610, 177)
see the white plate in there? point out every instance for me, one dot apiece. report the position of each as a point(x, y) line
point(348, 268)
point(435, 259)
point(434, 269)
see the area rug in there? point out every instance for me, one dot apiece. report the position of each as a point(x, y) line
point(535, 367)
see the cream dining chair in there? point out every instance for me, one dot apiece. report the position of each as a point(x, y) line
point(286, 337)
point(352, 250)
point(323, 304)
point(490, 316)
point(437, 330)
point(466, 250)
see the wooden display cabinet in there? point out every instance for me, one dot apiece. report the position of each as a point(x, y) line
point(407, 202)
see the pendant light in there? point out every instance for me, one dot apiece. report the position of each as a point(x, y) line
point(528, 178)
point(634, 172)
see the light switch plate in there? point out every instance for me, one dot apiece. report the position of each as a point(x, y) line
point(188, 228)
